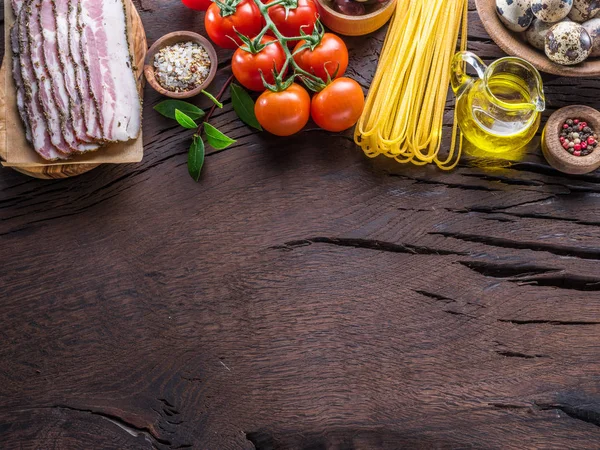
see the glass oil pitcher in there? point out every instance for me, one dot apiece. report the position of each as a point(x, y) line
point(499, 110)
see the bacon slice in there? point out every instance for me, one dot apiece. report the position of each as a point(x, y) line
point(54, 70)
point(89, 104)
point(63, 34)
point(16, 73)
point(16, 6)
point(40, 136)
point(36, 54)
point(105, 48)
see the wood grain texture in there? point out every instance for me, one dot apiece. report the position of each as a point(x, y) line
point(138, 48)
point(301, 296)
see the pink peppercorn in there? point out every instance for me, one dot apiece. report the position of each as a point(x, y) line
point(576, 121)
point(577, 153)
point(562, 139)
point(565, 126)
point(584, 145)
point(577, 147)
point(591, 140)
point(565, 145)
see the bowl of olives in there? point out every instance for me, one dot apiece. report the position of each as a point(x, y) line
point(355, 17)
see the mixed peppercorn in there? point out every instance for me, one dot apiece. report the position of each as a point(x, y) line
point(578, 138)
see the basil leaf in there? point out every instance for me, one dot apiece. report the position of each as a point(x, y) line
point(215, 138)
point(244, 106)
point(196, 157)
point(184, 120)
point(213, 99)
point(168, 107)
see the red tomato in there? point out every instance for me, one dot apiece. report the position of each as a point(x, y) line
point(198, 5)
point(247, 66)
point(330, 55)
point(339, 105)
point(247, 19)
point(283, 113)
point(304, 16)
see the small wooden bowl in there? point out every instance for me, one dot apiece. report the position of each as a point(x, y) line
point(173, 38)
point(355, 25)
point(514, 45)
point(556, 155)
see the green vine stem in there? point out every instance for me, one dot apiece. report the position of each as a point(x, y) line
point(312, 81)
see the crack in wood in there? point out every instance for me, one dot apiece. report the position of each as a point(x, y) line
point(369, 244)
point(549, 322)
point(589, 415)
point(576, 252)
point(511, 354)
point(489, 269)
point(435, 296)
point(130, 428)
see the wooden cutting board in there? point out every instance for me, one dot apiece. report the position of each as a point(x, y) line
point(139, 47)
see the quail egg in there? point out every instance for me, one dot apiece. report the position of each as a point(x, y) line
point(592, 26)
point(568, 43)
point(551, 10)
point(583, 10)
point(516, 15)
point(536, 33)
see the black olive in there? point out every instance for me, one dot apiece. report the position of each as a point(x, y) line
point(349, 7)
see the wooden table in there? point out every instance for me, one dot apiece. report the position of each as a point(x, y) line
point(301, 296)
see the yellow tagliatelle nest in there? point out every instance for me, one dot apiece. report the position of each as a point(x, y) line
point(404, 111)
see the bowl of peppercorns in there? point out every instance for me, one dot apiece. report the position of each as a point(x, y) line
point(570, 139)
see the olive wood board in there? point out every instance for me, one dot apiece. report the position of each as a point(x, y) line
point(513, 45)
point(17, 153)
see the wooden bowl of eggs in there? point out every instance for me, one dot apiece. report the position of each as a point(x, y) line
point(561, 37)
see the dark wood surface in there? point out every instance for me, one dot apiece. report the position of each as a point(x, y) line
point(301, 296)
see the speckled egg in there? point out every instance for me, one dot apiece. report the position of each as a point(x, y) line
point(592, 26)
point(516, 15)
point(536, 33)
point(568, 43)
point(583, 10)
point(551, 10)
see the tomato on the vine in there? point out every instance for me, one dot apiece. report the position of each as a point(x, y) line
point(247, 20)
point(330, 56)
point(198, 5)
point(283, 113)
point(247, 66)
point(338, 106)
point(290, 23)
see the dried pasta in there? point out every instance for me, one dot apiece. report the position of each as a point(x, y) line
point(404, 111)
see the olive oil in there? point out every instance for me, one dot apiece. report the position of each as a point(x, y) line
point(495, 115)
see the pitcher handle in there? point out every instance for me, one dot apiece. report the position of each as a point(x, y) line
point(459, 78)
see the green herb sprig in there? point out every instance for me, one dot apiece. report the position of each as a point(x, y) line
point(191, 117)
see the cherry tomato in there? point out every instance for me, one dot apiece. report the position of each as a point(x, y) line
point(247, 19)
point(304, 16)
point(339, 105)
point(198, 5)
point(330, 55)
point(283, 113)
point(247, 66)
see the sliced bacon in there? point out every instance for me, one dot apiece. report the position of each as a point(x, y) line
point(16, 6)
point(106, 53)
point(36, 53)
point(16, 73)
point(40, 136)
point(55, 72)
point(89, 104)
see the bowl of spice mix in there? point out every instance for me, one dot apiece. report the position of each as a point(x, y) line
point(570, 139)
point(181, 64)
